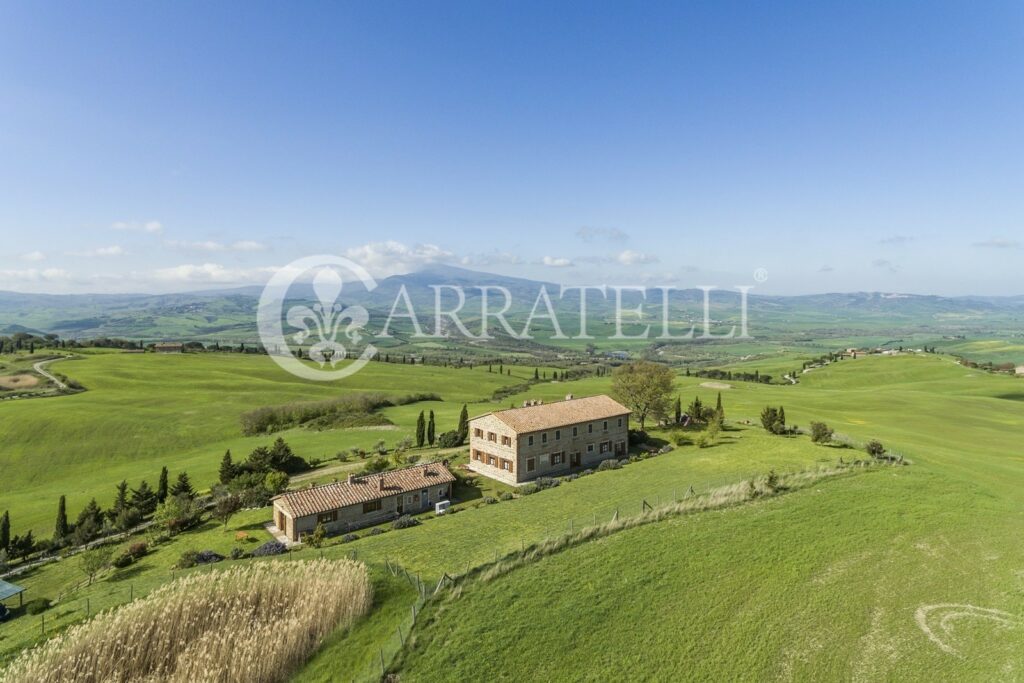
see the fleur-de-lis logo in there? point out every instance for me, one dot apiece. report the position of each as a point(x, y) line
point(327, 316)
point(327, 325)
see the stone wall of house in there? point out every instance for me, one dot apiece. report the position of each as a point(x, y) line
point(352, 517)
point(549, 452)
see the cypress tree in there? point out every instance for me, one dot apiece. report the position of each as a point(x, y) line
point(227, 468)
point(421, 430)
point(463, 429)
point(536, 373)
point(679, 410)
point(431, 429)
point(5, 531)
point(718, 408)
point(161, 487)
point(120, 500)
point(60, 528)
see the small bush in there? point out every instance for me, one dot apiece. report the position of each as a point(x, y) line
point(875, 448)
point(376, 531)
point(137, 550)
point(586, 472)
point(348, 538)
point(637, 437)
point(610, 464)
point(702, 440)
point(405, 522)
point(635, 458)
point(624, 462)
point(123, 560)
point(270, 548)
point(450, 439)
point(37, 606)
point(187, 560)
point(208, 557)
point(237, 553)
point(505, 495)
point(546, 483)
point(489, 500)
point(528, 489)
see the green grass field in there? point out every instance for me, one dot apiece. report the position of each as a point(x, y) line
point(825, 583)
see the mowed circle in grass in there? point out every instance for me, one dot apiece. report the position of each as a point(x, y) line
point(22, 381)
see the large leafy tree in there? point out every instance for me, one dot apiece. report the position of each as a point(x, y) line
point(643, 387)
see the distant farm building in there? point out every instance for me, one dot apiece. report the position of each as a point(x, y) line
point(545, 439)
point(168, 347)
point(362, 501)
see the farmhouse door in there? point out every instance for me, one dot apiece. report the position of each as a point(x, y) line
point(574, 459)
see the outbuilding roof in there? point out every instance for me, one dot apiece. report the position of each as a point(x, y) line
point(561, 413)
point(9, 590)
point(340, 494)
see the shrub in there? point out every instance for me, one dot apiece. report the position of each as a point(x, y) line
point(489, 500)
point(348, 538)
point(702, 440)
point(505, 495)
point(37, 606)
point(634, 458)
point(187, 560)
point(450, 439)
point(137, 550)
point(610, 464)
point(374, 466)
point(404, 522)
point(821, 432)
point(270, 548)
point(528, 489)
point(376, 531)
point(623, 462)
point(237, 553)
point(546, 482)
point(637, 437)
point(586, 472)
point(875, 448)
point(123, 560)
point(208, 557)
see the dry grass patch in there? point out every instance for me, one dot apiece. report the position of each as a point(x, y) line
point(254, 623)
point(24, 381)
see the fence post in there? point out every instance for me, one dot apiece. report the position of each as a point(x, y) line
point(131, 592)
point(401, 637)
point(42, 625)
point(380, 651)
point(87, 607)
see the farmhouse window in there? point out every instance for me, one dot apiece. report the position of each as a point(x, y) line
point(506, 441)
point(506, 465)
point(544, 437)
point(531, 464)
point(371, 506)
point(558, 435)
point(326, 517)
point(605, 426)
point(620, 421)
point(491, 436)
point(606, 446)
point(575, 431)
point(529, 440)
point(477, 432)
point(590, 448)
point(590, 428)
point(557, 458)
point(493, 462)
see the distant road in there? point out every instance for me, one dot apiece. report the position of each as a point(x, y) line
point(40, 367)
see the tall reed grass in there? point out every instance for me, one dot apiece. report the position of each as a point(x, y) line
point(252, 624)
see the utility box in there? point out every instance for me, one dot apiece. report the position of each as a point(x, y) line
point(442, 507)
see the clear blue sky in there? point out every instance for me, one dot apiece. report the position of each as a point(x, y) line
point(841, 146)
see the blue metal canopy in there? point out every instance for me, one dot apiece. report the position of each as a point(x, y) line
point(9, 590)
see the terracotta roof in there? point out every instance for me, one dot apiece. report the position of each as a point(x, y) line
point(336, 495)
point(561, 413)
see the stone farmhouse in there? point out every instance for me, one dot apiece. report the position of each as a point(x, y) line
point(520, 444)
point(362, 501)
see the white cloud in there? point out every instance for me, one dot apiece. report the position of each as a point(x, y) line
point(35, 275)
point(152, 227)
point(391, 257)
point(112, 250)
point(211, 246)
point(214, 273)
point(556, 262)
point(635, 258)
point(33, 256)
point(492, 258)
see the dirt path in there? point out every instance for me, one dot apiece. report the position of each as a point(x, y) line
point(40, 367)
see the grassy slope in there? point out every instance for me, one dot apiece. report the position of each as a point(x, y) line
point(143, 411)
point(822, 584)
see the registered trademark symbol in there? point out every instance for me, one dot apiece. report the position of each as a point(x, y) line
point(761, 275)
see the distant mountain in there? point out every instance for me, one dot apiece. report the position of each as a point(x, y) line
point(230, 314)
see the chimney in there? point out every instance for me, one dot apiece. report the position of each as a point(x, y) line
point(380, 483)
point(568, 397)
point(351, 478)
